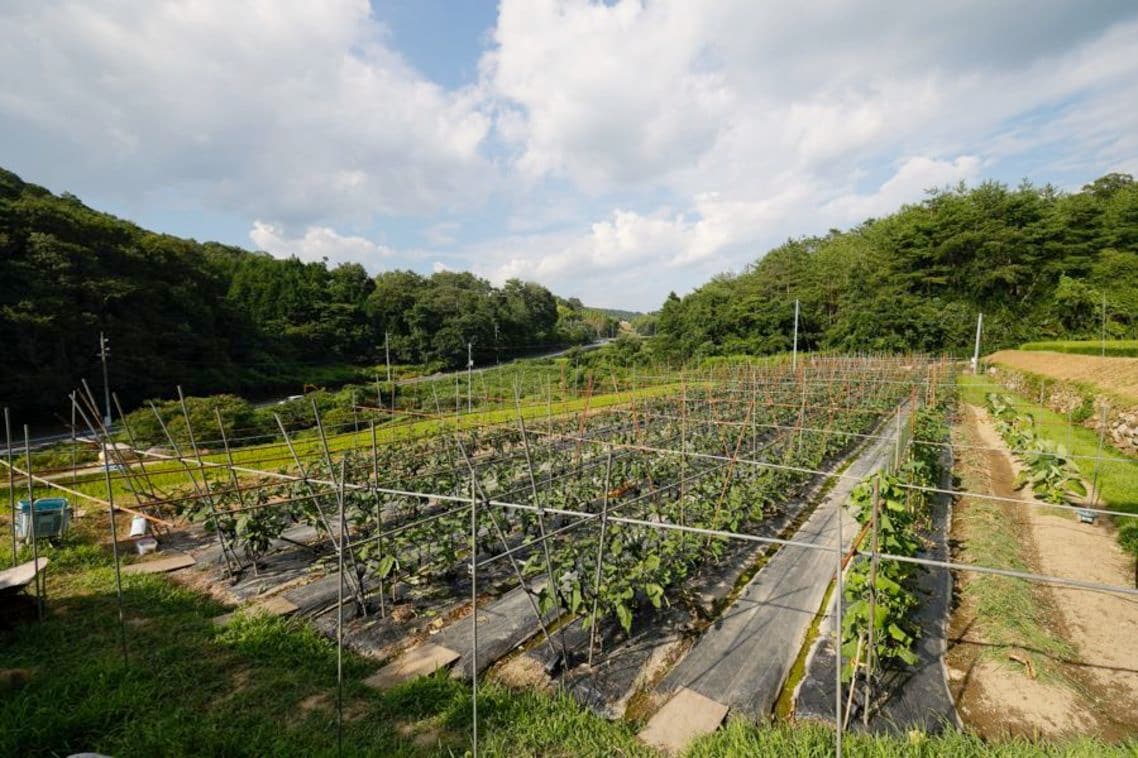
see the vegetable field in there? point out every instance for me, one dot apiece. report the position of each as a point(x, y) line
point(570, 529)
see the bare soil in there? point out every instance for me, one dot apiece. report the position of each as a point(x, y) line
point(1111, 374)
point(1094, 692)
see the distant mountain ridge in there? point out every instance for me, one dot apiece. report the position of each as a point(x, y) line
point(616, 313)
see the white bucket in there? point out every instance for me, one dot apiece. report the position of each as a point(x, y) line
point(139, 527)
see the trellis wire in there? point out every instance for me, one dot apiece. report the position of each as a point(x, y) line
point(340, 484)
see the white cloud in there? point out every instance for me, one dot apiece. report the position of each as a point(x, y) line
point(915, 175)
point(718, 97)
point(319, 243)
point(442, 233)
point(614, 150)
point(284, 109)
point(742, 124)
point(636, 250)
point(598, 99)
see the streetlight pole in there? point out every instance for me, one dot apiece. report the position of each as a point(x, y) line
point(976, 351)
point(469, 376)
point(387, 359)
point(104, 349)
point(1102, 334)
point(387, 353)
point(794, 356)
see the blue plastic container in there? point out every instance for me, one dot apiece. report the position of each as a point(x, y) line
point(53, 516)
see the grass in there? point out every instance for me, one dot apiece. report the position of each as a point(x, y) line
point(1118, 478)
point(260, 686)
point(740, 738)
point(1115, 348)
point(1112, 378)
point(1010, 612)
point(266, 686)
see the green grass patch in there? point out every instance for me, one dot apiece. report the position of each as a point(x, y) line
point(1009, 610)
point(1118, 477)
point(740, 737)
point(1113, 348)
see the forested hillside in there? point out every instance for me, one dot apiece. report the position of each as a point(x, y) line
point(1037, 262)
point(214, 317)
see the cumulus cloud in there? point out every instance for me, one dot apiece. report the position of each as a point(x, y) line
point(719, 97)
point(760, 121)
point(624, 257)
point(614, 150)
point(281, 109)
point(914, 176)
point(319, 243)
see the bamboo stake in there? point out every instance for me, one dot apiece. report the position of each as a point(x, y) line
point(378, 512)
point(600, 555)
point(110, 502)
point(551, 578)
point(871, 652)
point(11, 479)
point(231, 570)
point(474, 612)
point(39, 580)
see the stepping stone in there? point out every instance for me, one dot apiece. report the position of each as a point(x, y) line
point(419, 661)
point(21, 576)
point(683, 718)
point(162, 565)
point(273, 606)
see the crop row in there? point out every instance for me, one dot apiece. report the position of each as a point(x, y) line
point(582, 464)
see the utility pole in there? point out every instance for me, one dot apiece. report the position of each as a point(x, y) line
point(469, 376)
point(1102, 334)
point(387, 353)
point(976, 352)
point(104, 349)
point(387, 358)
point(794, 356)
point(497, 350)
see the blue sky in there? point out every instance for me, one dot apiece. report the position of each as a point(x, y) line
point(612, 152)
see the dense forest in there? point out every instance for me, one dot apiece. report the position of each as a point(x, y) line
point(1039, 263)
point(218, 318)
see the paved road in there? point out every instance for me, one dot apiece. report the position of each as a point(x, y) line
point(743, 660)
point(462, 371)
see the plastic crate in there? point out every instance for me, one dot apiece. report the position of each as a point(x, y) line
point(52, 514)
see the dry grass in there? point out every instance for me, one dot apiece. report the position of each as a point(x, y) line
point(1118, 376)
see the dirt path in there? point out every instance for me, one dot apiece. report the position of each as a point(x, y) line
point(1089, 650)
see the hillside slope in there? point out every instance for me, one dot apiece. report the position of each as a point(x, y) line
point(1037, 262)
point(214, 317)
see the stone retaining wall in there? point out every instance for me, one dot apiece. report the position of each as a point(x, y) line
point(1078, 402)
